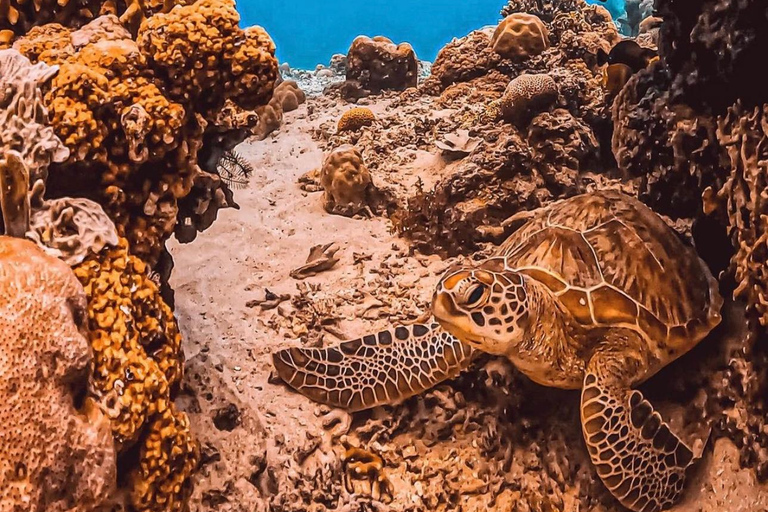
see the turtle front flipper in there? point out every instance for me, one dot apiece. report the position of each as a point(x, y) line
point(378, 369)
point(638, 458)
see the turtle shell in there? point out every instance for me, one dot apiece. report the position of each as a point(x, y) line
point(613, 262)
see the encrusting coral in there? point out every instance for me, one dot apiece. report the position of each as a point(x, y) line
point(57, 452)
point(134, 113)
point(378, 64)
point(355, 119)
point(520, 36)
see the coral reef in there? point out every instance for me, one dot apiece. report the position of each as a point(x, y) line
point(462, 60)
point(355, 119)
point(134, 113)
point(138, 363)
point(520, 36)
point(346, 181)
point(527, 95)
point(378, 64)
point(286, 98)
point(57, 452)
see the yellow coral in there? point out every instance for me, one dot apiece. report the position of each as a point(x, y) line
point(167, 458)
point(355, 119)
point(135, 339)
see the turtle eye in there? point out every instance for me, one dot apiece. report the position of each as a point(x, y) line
point(476, 295)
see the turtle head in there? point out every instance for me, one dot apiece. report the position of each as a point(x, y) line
point(485, 306)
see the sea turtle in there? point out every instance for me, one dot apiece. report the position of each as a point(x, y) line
point(594, 292)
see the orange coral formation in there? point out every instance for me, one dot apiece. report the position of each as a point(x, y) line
point(53, 457)
point(355, 119)
point(134, 113)
point(161, 481)
point(520, 36)
point(379, 64)
point(346, 181)
point(138, 362)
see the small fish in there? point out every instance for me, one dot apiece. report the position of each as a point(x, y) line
point(615, 77)
point(628, 53)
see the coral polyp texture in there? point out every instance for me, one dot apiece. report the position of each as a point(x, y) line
point(134, 113)
point(19, 16)
point(356, 118)
point(520, 36)
point(137, 364)
point(379, 64)
point(57, 452)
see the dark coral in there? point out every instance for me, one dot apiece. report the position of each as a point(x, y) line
point(379, 64)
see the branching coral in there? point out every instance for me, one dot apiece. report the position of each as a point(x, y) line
point(379, 64)
point(134, 114)
point(53, 457)
point(744, 197)
point(355, 119)
point(520, 36)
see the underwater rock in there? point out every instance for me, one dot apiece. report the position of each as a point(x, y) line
point(712, 48)
point(57, 451)
point(346, 181)
point(355, 119)
point(379, 64)
point(526, 96)
point(520, 36)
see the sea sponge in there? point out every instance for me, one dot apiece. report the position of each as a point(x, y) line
point(379, 64)
point(520, 36)
point(743, 134)
point(53, 457)
point(346, 181)
point(355, 119)
point(526, 96)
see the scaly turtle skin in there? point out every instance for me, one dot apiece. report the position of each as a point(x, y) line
point(594, 292)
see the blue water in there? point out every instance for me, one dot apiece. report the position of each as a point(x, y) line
point(309, 32)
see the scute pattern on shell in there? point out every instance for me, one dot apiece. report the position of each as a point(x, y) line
point(573, 248)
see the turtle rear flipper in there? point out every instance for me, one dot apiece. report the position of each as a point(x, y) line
point(377, 369)
point(640, 460)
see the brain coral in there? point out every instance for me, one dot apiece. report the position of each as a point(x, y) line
point(526, 96)
point(520, 36)
point(355, 119)
point(379, 64)
point(134, 113)
point(56, 452)
point(346, 181)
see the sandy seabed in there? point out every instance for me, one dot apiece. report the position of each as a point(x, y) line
point(489, 440)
